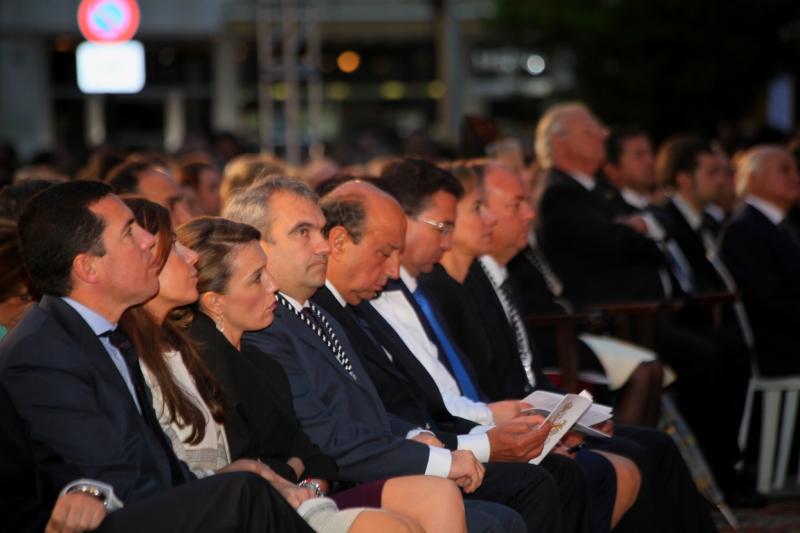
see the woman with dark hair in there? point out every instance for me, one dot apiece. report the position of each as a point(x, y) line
point(15, 293)
point(237, 294)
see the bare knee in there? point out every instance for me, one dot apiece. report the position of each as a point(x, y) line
point(384, 521)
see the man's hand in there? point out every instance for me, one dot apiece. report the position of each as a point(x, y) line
point(75, 513)
point(429, 439)
point(506, 410)
point(520, 440)
point(635, 222)
point(466, 471)
point(606, 427)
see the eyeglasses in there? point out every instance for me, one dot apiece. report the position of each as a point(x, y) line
point(445, 228)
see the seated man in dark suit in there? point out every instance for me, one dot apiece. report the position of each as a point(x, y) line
point(603, 255)
point(761, 247)
point(334, 397)
point(599, 256)
point(365, 231)
point(83, 400)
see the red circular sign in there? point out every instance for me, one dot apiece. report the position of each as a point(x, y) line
point(108, 20)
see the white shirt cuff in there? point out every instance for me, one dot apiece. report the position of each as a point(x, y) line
point(418, 431)
point(477, 444)
point(439, 462)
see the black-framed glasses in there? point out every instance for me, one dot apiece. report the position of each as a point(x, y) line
point(445, 228)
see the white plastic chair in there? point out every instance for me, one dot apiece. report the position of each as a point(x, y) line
point(777, 390)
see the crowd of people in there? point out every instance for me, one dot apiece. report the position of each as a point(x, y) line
point(257, 347)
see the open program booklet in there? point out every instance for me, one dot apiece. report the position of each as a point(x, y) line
point(564, 412)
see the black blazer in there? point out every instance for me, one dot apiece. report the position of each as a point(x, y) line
point(406, 388)
point(766, 265)
point(260, 422)
point(26, 497)
point(691, 244)
point(596, 259)
point(66, 387)
point(479, 327)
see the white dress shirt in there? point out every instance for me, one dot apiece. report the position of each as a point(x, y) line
point(774, 213)
point(399, 313)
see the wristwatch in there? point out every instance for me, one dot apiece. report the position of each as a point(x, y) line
point(91, 490)
point(102, 491)
point(312, 484)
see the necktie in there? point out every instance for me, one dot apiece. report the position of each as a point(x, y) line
point(314, 319)
point(679, 266)
point(539, 261)
point(121, 341)
point(462, 376)
point(521, 335)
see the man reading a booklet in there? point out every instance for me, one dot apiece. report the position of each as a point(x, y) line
point(491, 309)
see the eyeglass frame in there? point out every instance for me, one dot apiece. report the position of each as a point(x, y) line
point(445, 228)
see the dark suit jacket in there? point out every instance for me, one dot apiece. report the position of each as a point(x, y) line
point(691, 244)
point(66, 387)
point(487, 319)
point(596, 259)
point(406, 388)
point(260, 421)
point(26, 496)
point(344, 417)
point(766, 265)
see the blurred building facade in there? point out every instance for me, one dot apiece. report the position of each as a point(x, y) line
point(394, 66)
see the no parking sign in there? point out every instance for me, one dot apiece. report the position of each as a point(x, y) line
point(108, 21)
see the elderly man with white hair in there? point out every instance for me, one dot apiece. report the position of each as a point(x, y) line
point(599, 258)
point(761, 247)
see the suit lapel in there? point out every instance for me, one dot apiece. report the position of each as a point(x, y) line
point(368, 346)
point(314, 342)
point(89, 343)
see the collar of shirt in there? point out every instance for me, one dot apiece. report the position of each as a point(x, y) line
point(497, 273)
point(408, 279)
point(98, 323)
point(588, 182)
point(694, 218)
point(716, 212)
point(533, 240)
point(639, 201)
point(297, 305)
point(336, 293)
point(774, 213)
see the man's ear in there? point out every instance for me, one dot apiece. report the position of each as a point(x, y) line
point(338, 238)
point(84, 268)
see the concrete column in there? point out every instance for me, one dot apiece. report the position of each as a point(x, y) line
point(94, 108)
point(174, 120)
point(26, 107)
point(449, 69)
point(225, 96)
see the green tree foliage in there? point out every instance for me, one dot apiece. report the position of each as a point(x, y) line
point(669, 65)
